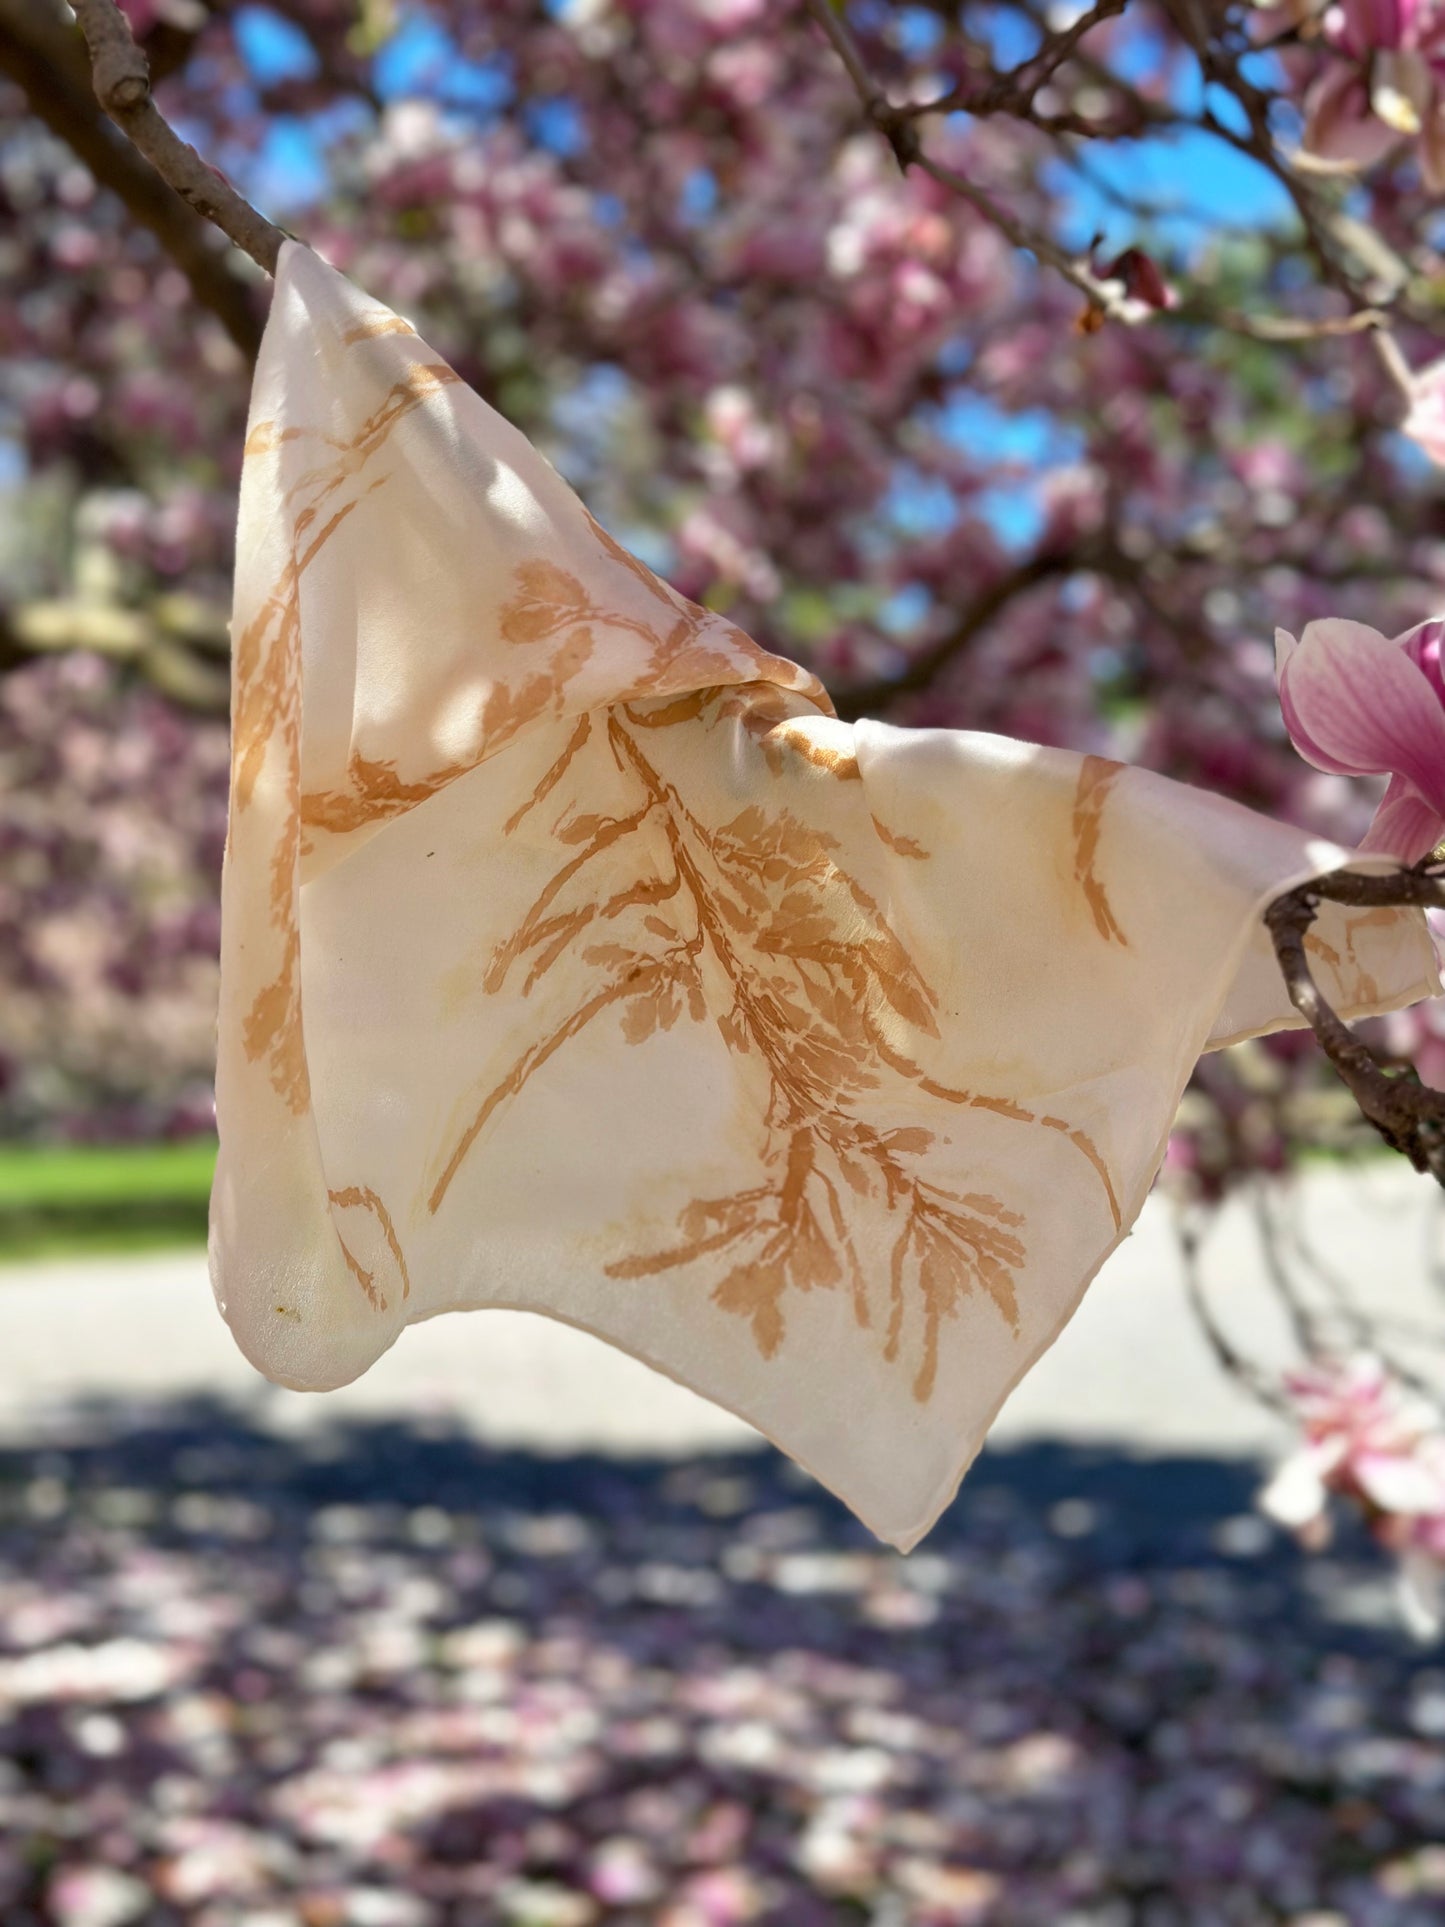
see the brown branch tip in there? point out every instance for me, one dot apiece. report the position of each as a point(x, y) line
point(122, 80)
point(1408, 1114)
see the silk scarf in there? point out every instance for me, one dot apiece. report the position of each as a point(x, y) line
point(576, 958)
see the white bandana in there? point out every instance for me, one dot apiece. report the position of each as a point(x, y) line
point(577, 959)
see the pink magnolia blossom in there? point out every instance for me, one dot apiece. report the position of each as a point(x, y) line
point(1422, 1573)
point(1386, 83)
point(1358, 704)
point(1425, 423)
point(1140, 283)
point(1417, 1035)
point(1366, 1438)
point(1363, 1435)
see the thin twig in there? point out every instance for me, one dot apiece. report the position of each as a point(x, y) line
point(847, 50)
point(121, 75)
point(863, 698)
point(1104, 296)
point(1016, 91)
point(41, 51)
point(1409, 1115)
point(1392, 360)
point(1326, 230)
point(1303, 1318)
point(1231, 1361)
point(1292, 328)
point(898, 128)
point(1364, 1332)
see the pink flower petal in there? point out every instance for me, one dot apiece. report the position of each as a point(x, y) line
point(1422, 1594)
point(1432, 152)
point(1296, 1495)
point(1398, 1484)
point(1356, 705)
point(1339, 125)
point(1422, 645)
point(1371, 23)
point(1405, 825)
point(1425, 423)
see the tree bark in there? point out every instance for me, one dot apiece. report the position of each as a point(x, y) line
point(46, 57)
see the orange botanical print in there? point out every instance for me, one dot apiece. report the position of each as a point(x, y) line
point(900, 845)
point(1362, 987)
point(266, 720)
point(272, 1030)
point(376, 792)
point(767, 667)
point(1016, 1113)
point(817, 989)
point(753, 924)
point(381, 323)
point(1096, 778)
point(266, 713)
point(1084, 1144)
point(551, 620)
point(362, 1197)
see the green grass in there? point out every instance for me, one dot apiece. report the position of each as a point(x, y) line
point(69, 1200)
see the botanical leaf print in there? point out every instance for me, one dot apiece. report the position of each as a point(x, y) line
point(266, 702)
point(819, 990)
point(267, 720)
point(272, 1030)
point(1356, 985)
point(388, 1260)
point(380, 323)
point(552, 621)
point(377, 792)
point(807, 1061)
point(1097, 777)
point(545, 601)
point(819, 983)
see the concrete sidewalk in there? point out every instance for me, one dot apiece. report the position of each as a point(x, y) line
point(1132, 1369)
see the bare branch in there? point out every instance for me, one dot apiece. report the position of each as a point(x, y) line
point(46, 58)
point(1282, 329)
point(898, 128)
point(1016, 92)
point(1409, 1115)
point(1230, 1359)
point(1305, 1322)
point(1104, 297)
point(1330, 235)
point(865, 698)
point(875, 102)
point(123, 88)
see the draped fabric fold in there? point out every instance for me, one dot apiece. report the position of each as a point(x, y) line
point(576, 958)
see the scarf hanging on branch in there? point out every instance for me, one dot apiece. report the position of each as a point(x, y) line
point(576, 958)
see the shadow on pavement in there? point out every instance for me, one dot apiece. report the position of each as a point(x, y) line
point(384, 1676)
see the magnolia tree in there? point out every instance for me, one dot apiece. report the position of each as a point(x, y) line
point(1018, 368)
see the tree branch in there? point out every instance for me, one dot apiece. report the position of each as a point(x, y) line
point(46, 59)
point(1016, 92)
point(123, 88)
point(1227, 1355)
point(1409, 1115)
point(898, 126)
point(865, 698)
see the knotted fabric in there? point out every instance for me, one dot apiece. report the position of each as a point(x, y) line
point(576, 958)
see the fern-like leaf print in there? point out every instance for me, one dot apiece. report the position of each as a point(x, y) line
point(819, 987)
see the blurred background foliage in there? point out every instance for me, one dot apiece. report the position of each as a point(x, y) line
point(833, 400)
point(371, 1672)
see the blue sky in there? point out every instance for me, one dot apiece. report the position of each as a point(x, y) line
point(1200, 176)
point(1194, 182)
